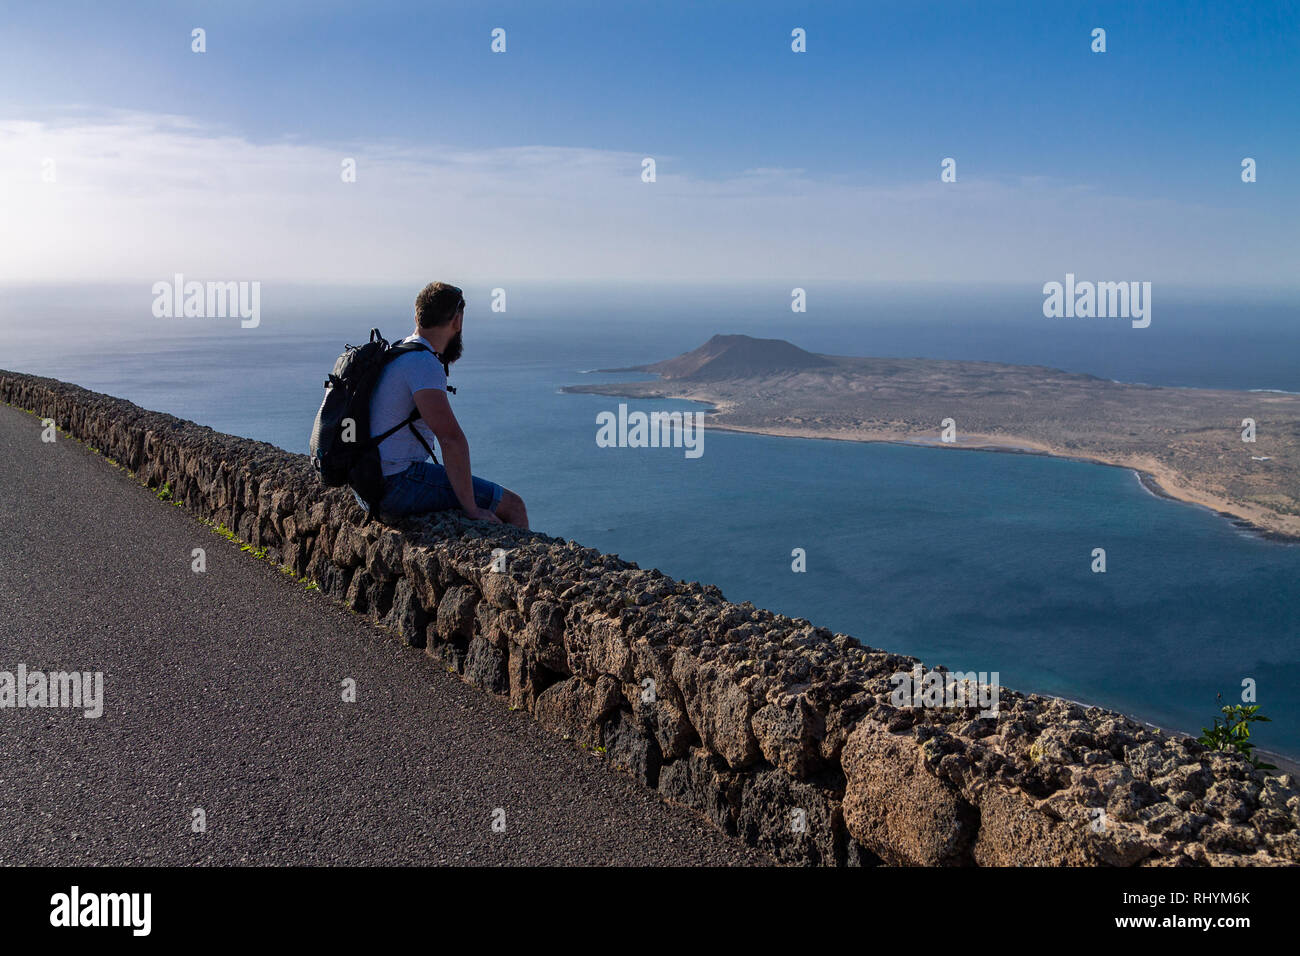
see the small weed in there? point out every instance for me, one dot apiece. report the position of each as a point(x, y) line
point(1231, 732)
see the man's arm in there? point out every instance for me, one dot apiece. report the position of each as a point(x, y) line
point(437, 414)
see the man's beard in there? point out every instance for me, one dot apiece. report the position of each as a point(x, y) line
point(453, 349)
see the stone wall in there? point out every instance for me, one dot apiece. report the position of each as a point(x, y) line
point(778, 731)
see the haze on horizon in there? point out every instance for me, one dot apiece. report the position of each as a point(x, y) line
point(1123, 165)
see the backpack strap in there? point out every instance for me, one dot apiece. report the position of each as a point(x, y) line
point(414, 416)
point(395, 352)
point(401, 348)
point(410, 423)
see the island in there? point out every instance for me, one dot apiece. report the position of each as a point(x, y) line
point(1184, 443)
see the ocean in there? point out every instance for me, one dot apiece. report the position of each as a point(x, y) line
point(977, 560)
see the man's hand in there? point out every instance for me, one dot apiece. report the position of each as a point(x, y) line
point(482, 514)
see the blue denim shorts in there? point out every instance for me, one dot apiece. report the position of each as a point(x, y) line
point(424, 487)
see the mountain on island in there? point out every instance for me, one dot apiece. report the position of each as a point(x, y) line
point(727, 357)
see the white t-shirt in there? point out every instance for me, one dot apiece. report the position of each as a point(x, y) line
point(393, 400)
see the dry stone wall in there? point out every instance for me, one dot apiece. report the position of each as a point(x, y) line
point(778, 731)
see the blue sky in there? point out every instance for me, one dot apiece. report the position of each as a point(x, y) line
point(1160, 121)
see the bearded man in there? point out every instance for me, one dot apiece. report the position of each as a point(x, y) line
point(413, 482)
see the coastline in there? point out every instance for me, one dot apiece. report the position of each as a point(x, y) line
point(1153, 477)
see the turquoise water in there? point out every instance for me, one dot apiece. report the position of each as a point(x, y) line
point(980, 561)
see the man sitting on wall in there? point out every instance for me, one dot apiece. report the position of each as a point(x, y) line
point(417, 380)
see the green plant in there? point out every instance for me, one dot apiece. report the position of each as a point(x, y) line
point(1231, 732)
point(165, 492)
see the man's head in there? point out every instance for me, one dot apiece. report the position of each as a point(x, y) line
point(439, 317)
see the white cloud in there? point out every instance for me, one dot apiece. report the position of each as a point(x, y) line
point(145, 195)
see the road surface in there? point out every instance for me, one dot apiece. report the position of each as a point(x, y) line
point(223, 692)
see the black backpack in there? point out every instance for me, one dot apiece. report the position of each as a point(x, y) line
point(342, 450)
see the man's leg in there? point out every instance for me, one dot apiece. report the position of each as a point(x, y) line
point(511, 510)
point(424, 487)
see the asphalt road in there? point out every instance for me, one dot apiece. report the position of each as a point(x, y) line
point(222, 691)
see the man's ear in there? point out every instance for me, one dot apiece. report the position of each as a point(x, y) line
point(459, 320)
